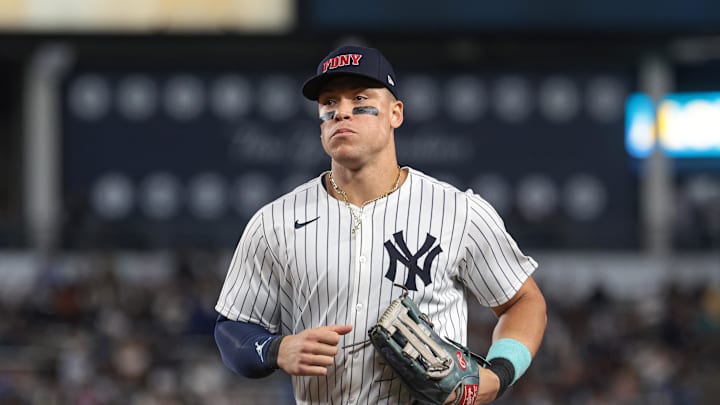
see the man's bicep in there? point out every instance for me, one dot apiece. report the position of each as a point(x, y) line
point(250, 290)
point(528, 288)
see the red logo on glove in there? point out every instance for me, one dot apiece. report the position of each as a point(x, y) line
point(470, 392)
point(461, 360)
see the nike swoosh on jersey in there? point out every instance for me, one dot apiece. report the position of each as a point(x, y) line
point(299, 224)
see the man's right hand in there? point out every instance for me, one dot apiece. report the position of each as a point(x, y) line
point(311, 351)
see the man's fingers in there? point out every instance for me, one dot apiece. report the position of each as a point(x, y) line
point(341, 329)
point(312, 370)
point(312, 351)
point(331, 334)
point(318, 360)
point(324, 349)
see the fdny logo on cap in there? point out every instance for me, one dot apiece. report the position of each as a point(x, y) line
point(341, 60)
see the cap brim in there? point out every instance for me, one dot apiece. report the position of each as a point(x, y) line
point(311, 88)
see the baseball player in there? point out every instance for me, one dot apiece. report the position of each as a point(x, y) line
point(315, 268)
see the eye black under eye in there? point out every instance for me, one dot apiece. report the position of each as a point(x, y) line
point(366, 109)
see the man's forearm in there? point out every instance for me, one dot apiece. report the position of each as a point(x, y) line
point(246, 348)
point(518, 334)
point(523, 318)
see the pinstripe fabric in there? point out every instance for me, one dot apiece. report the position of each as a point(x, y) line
point(289, 279)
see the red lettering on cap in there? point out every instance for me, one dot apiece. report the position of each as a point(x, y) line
point(341, 60)
point(355, 58)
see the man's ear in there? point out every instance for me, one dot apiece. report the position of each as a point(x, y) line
point(396, 113)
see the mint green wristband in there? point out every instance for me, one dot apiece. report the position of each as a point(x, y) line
point(514, 351)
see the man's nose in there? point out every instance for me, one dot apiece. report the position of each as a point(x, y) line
point(344, 111)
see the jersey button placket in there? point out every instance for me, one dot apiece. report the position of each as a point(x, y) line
point(361, 288)
point(361, 268)
point(357, 288)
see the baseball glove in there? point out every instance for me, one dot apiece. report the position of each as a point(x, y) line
point(429, 366)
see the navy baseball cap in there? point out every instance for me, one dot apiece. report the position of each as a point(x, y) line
point(351, 60)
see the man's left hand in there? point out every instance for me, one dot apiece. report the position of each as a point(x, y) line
point(489, 386)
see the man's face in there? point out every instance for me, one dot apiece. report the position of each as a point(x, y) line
point(358, 117)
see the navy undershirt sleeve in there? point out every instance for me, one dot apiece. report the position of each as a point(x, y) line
point(244, 347)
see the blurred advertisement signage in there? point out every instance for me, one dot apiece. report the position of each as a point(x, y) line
point(148, 15)
point(508, 15)
point(685, 125)
point(159, 157)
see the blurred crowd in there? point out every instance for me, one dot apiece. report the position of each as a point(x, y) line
point(658, 350)
point(97, 328)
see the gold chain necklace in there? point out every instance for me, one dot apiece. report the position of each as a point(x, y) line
point(355, 215)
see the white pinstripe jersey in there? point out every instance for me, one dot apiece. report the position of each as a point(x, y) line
point(298, 266)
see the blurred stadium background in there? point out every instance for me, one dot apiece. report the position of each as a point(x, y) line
point(137, 137)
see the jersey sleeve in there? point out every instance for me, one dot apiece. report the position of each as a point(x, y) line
point(250, 290)
point(495, 267)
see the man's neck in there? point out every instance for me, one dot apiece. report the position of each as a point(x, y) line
point(367, 184)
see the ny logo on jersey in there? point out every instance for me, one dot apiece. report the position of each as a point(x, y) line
point(410, 260)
